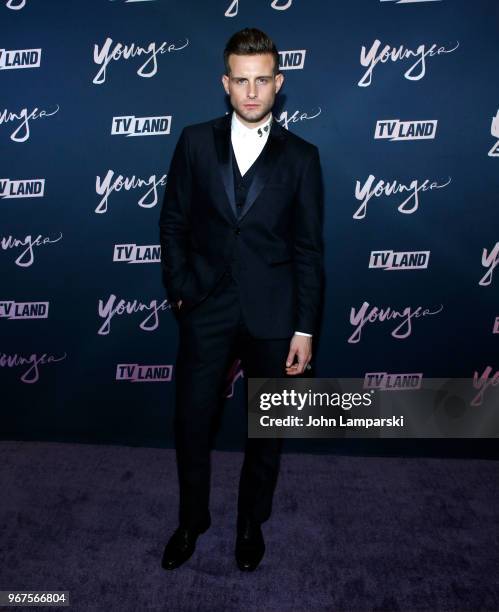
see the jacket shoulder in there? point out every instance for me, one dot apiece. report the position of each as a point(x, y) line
point(201, 128)
point(304, 147)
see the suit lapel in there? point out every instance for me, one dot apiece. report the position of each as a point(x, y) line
point(271, 153)
point(221, 132)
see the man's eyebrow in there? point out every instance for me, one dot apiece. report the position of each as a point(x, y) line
point(261, 76)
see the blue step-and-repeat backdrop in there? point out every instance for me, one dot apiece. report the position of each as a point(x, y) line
point(402, 99)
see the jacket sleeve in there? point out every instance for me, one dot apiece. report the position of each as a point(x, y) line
point(308, 245)
point(174, 221)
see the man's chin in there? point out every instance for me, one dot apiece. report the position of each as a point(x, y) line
point(253, 116)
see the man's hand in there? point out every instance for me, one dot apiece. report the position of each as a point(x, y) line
point(301, 346)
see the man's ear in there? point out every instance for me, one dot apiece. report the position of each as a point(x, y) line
point(225, 83)
point(279, 80)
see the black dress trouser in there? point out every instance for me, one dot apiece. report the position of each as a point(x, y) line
point(211, 335)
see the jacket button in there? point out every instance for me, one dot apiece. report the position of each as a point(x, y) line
point(237, 230)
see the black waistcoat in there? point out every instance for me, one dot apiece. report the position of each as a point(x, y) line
point(242, 183)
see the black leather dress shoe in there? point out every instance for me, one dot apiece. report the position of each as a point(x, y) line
point(181, 546)
point(250, 546)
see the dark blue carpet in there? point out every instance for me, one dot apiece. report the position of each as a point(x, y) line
point(382, 534)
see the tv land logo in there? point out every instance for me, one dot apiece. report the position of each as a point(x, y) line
point(112, 183)
point(12, 310)
point(137, 254)
point(292, 60)
point(34, 361)
point(25, 188)
point(24, 117)
point(384, 381)
point(482, 382)
point(416, 71)
point(27, 257)
point(489, 261)
point(372, 314)
point(111, 51)
point(278, 5)
point(394, 129)
point(495, 328)
point(285, 118)
point(129, 125)
point(494, 130)
point(12, 59)
point(399, 260)
point(133, 372)
point(378, 188)
point(15, 5)
point(112, 307)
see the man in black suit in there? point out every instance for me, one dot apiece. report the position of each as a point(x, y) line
point(242, 254)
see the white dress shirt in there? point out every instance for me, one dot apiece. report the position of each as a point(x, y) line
point(248, 144)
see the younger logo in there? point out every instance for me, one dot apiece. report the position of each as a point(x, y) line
point(372, 314)
point(285, 118)
point(113, 307)
point(379, 187)
point(15, 5)
point(376, 54)
point(482, 382)
point(141, 126)
point(111, 51)
point(27, 256)
point(23, 116)
point(34, 361)
point(494, 130)
point(490, 261)
point(278, 5)
point(111, 183)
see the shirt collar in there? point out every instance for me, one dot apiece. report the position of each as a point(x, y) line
point(242, 130)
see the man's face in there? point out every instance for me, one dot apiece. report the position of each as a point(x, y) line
point(252, 87)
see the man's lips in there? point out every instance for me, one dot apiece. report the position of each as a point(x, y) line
point(251, 105)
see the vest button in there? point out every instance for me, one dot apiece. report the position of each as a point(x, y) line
point(237, 230)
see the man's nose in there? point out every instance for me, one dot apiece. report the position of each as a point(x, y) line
point(251, 90)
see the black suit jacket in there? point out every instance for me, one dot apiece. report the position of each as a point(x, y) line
point(275, 249)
